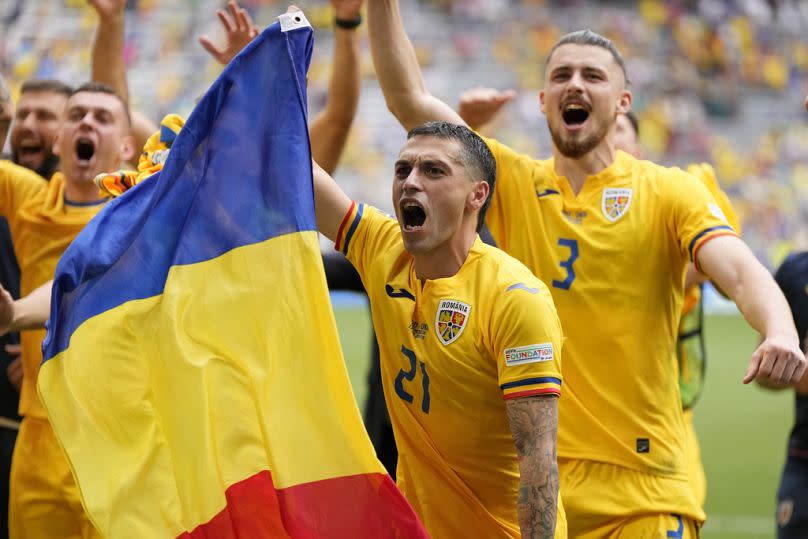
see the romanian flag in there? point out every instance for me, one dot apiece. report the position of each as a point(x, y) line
point(192, 367)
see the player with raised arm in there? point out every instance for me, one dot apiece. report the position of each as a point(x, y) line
point(470, 342)
point(611, 236)
point(108, 64)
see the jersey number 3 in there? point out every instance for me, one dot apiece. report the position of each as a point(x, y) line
point(409, 375)
point(572, 245)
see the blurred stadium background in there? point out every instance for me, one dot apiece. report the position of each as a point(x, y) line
point(714, 80)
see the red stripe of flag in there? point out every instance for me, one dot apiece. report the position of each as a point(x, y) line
point(364, 505)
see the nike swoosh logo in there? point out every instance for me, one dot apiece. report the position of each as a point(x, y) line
point(547, 192)
point(400, 293)
point(522, 286)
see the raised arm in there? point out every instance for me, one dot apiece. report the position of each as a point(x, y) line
point(108, 64)
point(534, 426)
point(330, 127)
point(729, 263)
point(6, 112)
point(330, 203)
point(398, 71)
point(30, 312)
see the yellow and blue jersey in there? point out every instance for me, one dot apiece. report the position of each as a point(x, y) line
point(451, 350)
point(614, 257)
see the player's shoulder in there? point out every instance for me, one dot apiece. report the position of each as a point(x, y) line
point(13, 172)
point(502, 151)
point(505, 274)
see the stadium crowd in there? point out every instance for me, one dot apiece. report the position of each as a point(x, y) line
point(711, 81)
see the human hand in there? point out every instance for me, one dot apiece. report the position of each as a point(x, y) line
point(108, 9)
point(14, 369)
point(478, 106)
point(346, 10)
point(240, 30)
point(777, 360)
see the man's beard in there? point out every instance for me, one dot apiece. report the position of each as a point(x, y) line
point(578, 148)
point(49, 165)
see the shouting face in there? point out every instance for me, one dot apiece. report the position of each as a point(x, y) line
point(433, 193)
point(36, 125)
point(583, 93)
point(94, 136)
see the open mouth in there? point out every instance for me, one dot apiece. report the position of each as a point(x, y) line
point(413, 216)
point(574, 114)
point(29, 149)
point(85, 149)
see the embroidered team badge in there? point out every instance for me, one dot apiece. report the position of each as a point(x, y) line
point(451, 320)
point(615, 203)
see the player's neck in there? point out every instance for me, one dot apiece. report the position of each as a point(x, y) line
point(577, 169)
point(81, 190)
point(446, 259)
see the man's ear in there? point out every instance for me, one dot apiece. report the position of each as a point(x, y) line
point(478, 195)
point(541, 101)
point(624, 103)
point(127, 151)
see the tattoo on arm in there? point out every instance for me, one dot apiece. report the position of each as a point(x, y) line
point(534, 426)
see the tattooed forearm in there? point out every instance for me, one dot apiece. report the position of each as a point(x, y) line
point(534, 426)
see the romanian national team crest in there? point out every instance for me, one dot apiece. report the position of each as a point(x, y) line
point(615, 203)
point(451, 319)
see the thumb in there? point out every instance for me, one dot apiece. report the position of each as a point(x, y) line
point(754, 365)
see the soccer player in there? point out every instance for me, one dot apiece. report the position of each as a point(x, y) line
point(44, 218)
point(792, 504)
point(612, 237)
point(792, 507)
point(461, 326)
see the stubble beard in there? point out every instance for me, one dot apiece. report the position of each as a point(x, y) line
point(50, 164)
point(573, 148)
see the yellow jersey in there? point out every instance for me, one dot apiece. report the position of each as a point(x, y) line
point(42, 225)
point(451, 350)
point(614, 257)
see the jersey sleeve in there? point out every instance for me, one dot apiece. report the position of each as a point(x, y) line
point(513, 191)
point(17, 184)
point(706, 173)
point(363, 233)
point(527, 340)
point(695, 217)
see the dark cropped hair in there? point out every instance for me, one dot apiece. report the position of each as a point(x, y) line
point(474, 155)
point(46, 85)
point(101, 88)
point(588, 37)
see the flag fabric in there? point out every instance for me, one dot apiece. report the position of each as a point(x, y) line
point(192, 367)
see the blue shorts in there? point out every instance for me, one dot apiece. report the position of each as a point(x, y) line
point(792, 500)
